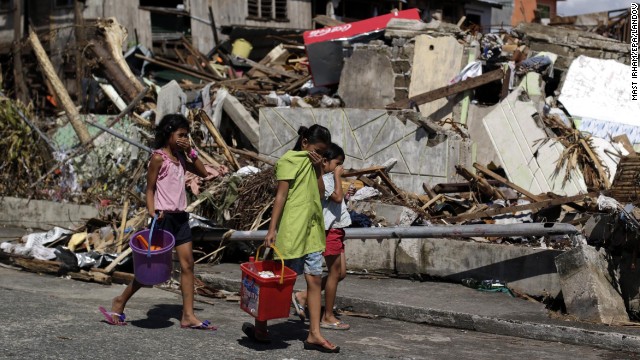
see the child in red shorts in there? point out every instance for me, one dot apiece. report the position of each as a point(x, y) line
point(336, 218)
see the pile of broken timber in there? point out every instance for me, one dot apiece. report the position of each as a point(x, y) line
point(483, 187)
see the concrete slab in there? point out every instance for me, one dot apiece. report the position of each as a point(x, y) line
point(367, 80)
point(587, 286)
point(435, 62)
point(528, 163)
point(43, 214)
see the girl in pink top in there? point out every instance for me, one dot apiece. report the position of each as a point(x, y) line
point(166, 198)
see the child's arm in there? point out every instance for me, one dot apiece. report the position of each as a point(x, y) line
point(316, 161)
point(337, 195)
point(278, 207)
point(152, 177)
point(195, 166)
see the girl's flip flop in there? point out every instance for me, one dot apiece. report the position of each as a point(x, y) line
point(205, 325)
point(298, 307)
point(108, 316)
point(339, 325)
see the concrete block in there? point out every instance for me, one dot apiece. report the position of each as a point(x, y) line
point(367, 80)
point(401, 66)
point(393, 215)
point(402, 81)
point(43, 214)
point(587, 286)
point(401, 94)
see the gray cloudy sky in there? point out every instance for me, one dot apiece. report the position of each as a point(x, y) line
point(575, 7)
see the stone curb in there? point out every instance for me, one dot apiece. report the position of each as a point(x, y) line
point(457, 320)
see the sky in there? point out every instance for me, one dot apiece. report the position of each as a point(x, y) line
point(576, 7)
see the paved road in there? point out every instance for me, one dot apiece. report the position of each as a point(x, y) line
point(45, 317)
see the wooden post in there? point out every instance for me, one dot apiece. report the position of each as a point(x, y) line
point(18, 75)
point(219, 140)
point(123, 224)
point(213, 27)
point(61, 92)
point(80, 40)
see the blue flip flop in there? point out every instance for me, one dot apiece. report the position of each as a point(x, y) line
point(205, 325)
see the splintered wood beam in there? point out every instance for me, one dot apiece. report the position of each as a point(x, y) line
point(506, 182)
point(533, 207)
point(445, 91)
point(365, 171)
point(204, 118)
point(60, 91)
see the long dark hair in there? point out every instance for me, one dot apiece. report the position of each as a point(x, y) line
point(167, 126)
point(314, 134)
point(333, 151)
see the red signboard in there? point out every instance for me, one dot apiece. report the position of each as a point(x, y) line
point(349, 30)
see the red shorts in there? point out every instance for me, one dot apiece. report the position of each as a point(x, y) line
point(335, 242)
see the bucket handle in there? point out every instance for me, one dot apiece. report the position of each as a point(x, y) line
point(153, 224)
point(279, 256)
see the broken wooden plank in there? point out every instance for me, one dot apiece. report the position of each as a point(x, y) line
point(123, 224)
point(432, 201)
point(596, 161)
point(325, 20)
point(365, 171)
point(179, 68)
point(60, 91)
point(268, 69)
point(218, 139)
point(483, 185)
point(253, 155)
point(117, 260)
point(506, 182)
point(533, 207)
point(445, 91)
point(454, 188)
point(394, 189)
point(54, 267)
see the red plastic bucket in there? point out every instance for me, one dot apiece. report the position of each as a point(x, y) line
point(266, 298)
point(152, 267)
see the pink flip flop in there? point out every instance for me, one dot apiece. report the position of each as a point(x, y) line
point(205, 325)
point(108, 316)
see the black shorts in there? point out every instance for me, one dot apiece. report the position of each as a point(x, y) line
point(178, 225)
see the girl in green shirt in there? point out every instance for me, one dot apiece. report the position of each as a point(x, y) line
point(297, 226)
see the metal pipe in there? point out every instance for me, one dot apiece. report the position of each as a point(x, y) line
point(441, 231)
point(120, 136)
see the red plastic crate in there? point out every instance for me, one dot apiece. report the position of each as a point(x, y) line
point(266, 298)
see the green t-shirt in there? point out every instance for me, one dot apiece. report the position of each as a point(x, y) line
point(301, 227)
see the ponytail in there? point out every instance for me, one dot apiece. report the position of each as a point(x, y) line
point(314, 134)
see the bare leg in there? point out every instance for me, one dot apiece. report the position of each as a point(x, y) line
point(314, 293)
point(337, 271)
point(185, 254)
point(119, 302)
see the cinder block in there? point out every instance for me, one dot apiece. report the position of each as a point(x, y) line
point(587, 286)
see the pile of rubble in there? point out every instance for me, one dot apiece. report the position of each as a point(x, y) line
point(441, 125)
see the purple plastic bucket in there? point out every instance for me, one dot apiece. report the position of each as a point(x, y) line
point(152, 267)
